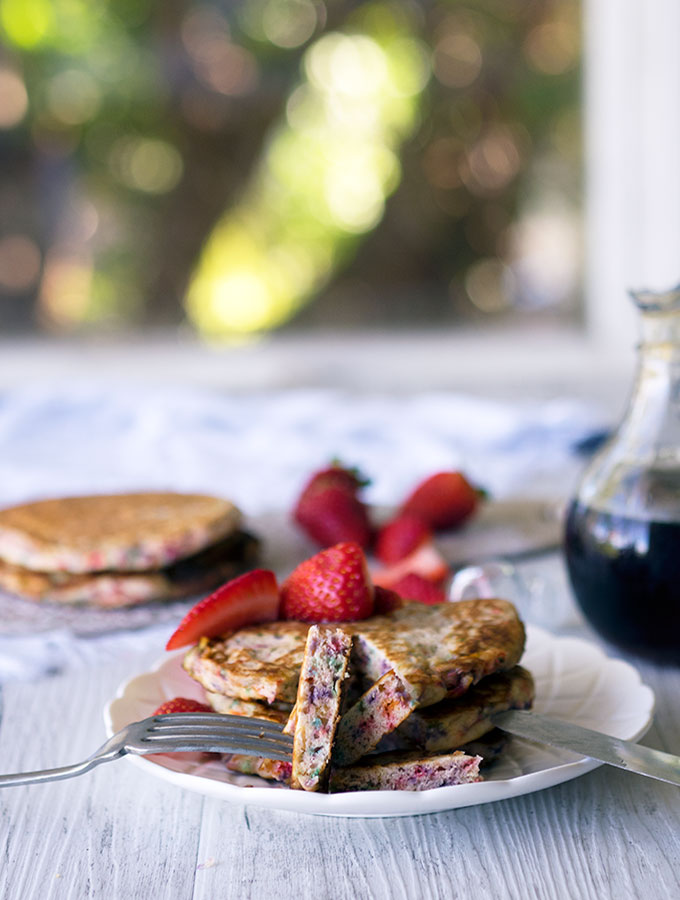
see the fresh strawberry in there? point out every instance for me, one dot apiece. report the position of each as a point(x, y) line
point(181, 705)
point(444, 500)
point(399, 537)
point(330, 510)
point(415, 587)
point(250, 598)
point(425, 561)
point(332, 516)
point(349, 480)
point(385, 600)
point(332, 586)
point(184, 705)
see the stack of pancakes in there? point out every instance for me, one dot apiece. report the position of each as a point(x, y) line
point(121, 549)
point(424, 681)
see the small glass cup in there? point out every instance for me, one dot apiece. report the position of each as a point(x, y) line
point(537, 598)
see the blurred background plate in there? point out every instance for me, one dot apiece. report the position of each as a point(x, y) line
point(502, 528)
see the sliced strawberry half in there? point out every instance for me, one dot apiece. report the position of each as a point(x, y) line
point(250, 598)
point(181, 705)
point(399, 537)
point(425, 561)
point(332, 586)
point(415, 587)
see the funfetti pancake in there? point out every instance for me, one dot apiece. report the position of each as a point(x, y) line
point(435, 651)
point(113, 532)
point(440, 650)
point(417, 656)
point(407, 771)
point(319, 705)
point(258, 662)
point(453, 723)
point(193, 575)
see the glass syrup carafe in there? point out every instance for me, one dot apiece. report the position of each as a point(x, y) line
point(622, 539)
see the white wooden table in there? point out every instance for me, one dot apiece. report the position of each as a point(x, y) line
point(117, 833)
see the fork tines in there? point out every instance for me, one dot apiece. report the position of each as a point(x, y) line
point(192, 721)
point(215, 732)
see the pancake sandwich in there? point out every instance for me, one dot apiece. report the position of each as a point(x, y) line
point(118, 550)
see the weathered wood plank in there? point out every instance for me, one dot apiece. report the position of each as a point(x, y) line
point(116, 833)
point(111, 833)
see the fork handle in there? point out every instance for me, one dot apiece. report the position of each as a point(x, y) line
point(51, 774)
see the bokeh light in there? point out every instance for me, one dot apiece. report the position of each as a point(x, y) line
point(324, 180)
point(65, 291)
point(73, 96)
point(491, 162)
point(487, 283)
point(146, 164)
point(13, 98)
point(457, 60)
point(19, 263)
point(26, 22)
point(289, 23)
point(217, 61)
point(553, 47)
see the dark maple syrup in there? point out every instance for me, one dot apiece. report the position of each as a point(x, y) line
point(625, 573)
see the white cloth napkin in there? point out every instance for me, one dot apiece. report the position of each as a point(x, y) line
point(257, 449)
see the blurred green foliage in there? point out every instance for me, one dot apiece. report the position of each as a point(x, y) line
point(234, 161)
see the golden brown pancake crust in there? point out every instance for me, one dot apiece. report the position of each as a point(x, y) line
point(113, 532)
point(259, 662)
point(438, 650)
point(453, 723)
point(442, 649)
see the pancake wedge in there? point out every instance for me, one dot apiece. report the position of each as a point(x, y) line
point(271, 769)
point(410, 771)
point(375, 715)
point(259, 662)
point(318, 705)
point(441, 650)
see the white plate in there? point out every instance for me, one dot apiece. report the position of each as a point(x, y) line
point(575, 681)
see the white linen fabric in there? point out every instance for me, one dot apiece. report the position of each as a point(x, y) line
point(257, 449)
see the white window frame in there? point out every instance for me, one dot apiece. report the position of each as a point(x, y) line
point(632, 160)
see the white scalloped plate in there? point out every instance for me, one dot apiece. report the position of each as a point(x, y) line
point(575, 682)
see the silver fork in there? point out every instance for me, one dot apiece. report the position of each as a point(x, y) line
point(177, 733)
